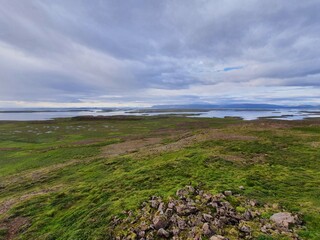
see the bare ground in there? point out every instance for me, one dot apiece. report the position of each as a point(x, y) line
point(13, 226)
point(129, 146)
point(87, 142)
point(151, 146)
point(8, 204)
point(9, 148)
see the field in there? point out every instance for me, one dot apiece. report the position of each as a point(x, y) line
point(66, 178)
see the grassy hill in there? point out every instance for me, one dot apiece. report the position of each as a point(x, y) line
point(66, 178)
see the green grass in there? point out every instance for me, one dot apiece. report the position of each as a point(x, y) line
point(280, 165)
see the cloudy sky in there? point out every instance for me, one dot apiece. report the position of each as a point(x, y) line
point(145, 52)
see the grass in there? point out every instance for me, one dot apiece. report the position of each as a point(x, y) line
point(80, 187)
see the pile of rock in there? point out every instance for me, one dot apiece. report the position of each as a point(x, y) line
point(195, 214)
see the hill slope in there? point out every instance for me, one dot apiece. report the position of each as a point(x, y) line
point(66, 179)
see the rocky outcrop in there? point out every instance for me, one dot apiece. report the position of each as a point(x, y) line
point(195, 214)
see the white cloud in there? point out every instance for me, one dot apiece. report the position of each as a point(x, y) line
point(151, 52)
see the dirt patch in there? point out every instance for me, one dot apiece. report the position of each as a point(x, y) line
point(7, 205)
point(315, 144)
point(39, 174)
point(262, 125)
point(129, 146)
point(188, 139)
point(168, 131)
point(87, 142)
point(210, 135)
point(259, 158)
point(193, 125)
point(9, 149)
point(4, 207)
point(274, 124)
point(14, 226)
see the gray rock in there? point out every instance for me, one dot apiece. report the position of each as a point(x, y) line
point(141, 234)
point(253, 203)
point(207, 196)
point(268, 226)
point(182, 192)
point(206, 229)
point(184, 210)
point(207, 217)
point(173, 219)
point(175, 231)
point(247, 215)
point(195, 220)
point(227, 193)
point(171, 205)
point(154, 203)
point(144, 226)
point(217, 237)
point(213, 204)
point(283, 219)
point(169, 212)
point(160, 221)
point(163, 233)
point(190, 189)
point(181, 224)
point(245, 229)
point(161, 207)
point(264, 229)
point(180, 208)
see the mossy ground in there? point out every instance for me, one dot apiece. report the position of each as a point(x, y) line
point(57, 175)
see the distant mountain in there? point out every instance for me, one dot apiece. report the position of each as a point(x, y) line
point(233, 106)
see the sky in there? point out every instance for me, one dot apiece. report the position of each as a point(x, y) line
point(110, 53)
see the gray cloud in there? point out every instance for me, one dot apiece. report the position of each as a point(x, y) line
point(159, 51)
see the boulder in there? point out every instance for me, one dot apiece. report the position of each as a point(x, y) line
point(160, 221)
point(283, 219)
